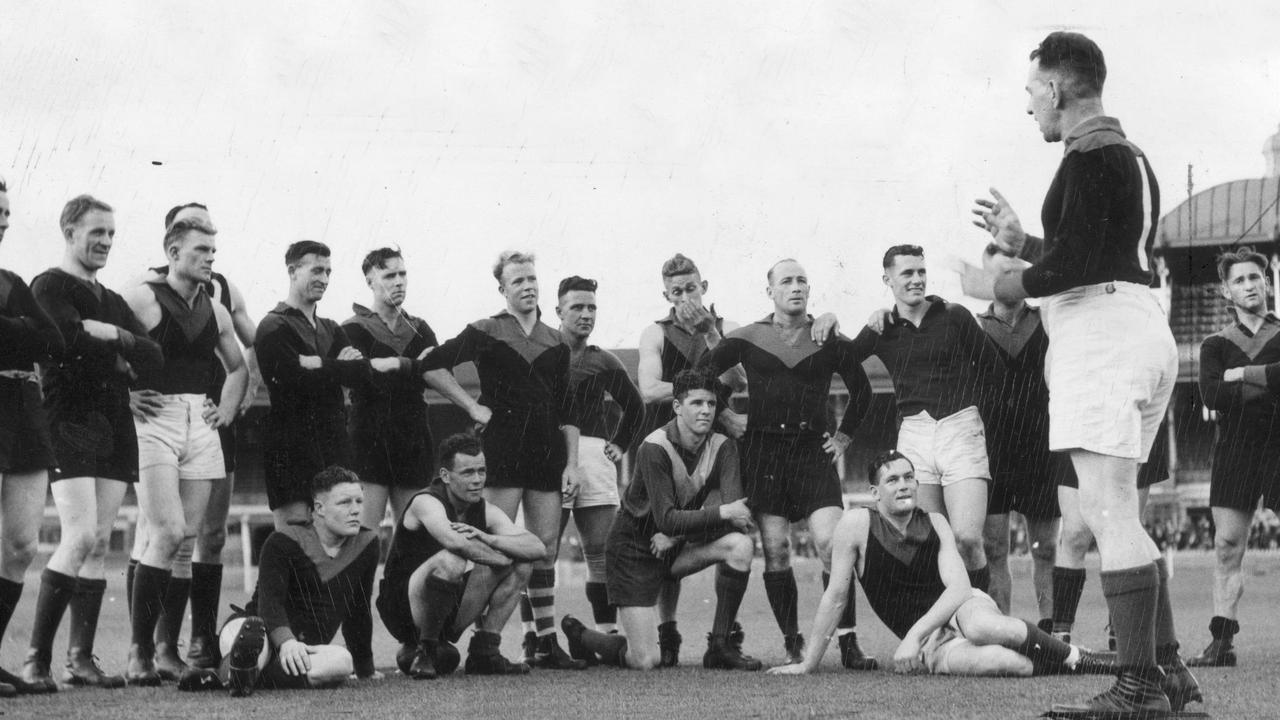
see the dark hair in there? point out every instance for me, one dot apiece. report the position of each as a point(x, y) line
point(575, 282)
point(896, 250)
point(1078, 57)
point(510, 257)
point(179, 230)
point(1244, 254)
point(79, 206)
point(884, 458)
point(379, 258)
point(458, 444)
point(769, 275)
point(678, 265)
point(173, 212)
point(326, 479)
point(298, 250)
point(687, 380)
point(3, 188)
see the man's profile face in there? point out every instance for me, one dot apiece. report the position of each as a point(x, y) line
point(895, 488)
point(466, 478)
point(192, 256)
point(519, 285)
point(338, 509)
point(906, 278)
point(310, 277)
point(1246, 287)
point(91, 237)
point(577, 313)
point(687, 288)
point(1043, 88)
point(696, 411)
point(789, 288)
point(389, 282)
point(4, 214)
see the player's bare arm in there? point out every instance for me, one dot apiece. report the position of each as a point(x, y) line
point(430, 514)
point(228, 350)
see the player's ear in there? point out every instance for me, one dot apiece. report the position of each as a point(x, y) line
point(704, 286)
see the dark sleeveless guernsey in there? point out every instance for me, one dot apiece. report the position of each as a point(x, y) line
point(220, 290)
point(188, 337)
point(681, 350)
point(411, 548)
point(900, 572)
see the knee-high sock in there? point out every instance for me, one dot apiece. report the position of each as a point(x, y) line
point(1166, 637)
point(611, 647)
point(169, 624)
point(849, 618)
point(149, 590)
point(56, 591)
point(1132, 595)
point(604, 614)
point(526, 614)
point(439, 597)
point(980, 579)
point(542, 600)
point(1068, 586)
point(780, 588)
point(731, 586)
point(1046, 652)
point(128, 582)
point(206, 593)
point(10, 594)
point(86, 606)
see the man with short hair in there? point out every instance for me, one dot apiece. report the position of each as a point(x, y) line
point(389, 431)
point(788, 453)
point(1112, 361)
point(87, 395)
point(531, 441)
point(594, 375)
point(430, 594)
point(683, 512)
point(180, 453)
point(1240, 381)
point(312, 579)
point(910, 568)
point(27, 336)
point(306, 360)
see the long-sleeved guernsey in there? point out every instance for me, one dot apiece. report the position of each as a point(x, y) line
point(91, 372)
point(1099, 215)
point(788, 384)
point(943, 366)
point(305, 595)
point(666, 499)
point(388, 411)
point(1248, 411)
point(592, 374)
point(27, 334)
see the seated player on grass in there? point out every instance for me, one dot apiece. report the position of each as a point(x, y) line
point(683, 512)
point(312, 578)
point(429, 595)
point(907, 562)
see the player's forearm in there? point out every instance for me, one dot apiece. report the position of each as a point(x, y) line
point(233, 388)
point(824, 625)
point(477, 551)
point(654, 391)
point(443, 382)
point(941, 612)
point(525, 546)
point(571, 437)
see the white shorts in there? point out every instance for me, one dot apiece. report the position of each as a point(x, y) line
point(178, 437)
point(599, 476)
point(945, 451)
point(937, 648)
point(1111, 368)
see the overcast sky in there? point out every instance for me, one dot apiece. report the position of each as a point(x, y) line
point(604, 136)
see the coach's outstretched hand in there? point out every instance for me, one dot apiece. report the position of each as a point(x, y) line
point(295, 656)
point(1002, 222)
point(792, 669)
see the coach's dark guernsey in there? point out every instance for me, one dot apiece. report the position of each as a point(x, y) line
point(593, 374)
point(788, 384)
point(27, 334)
point(1248, 411)
point(1099, 215)
point(305, 595)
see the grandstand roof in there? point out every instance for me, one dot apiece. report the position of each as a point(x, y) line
point(1245, 212)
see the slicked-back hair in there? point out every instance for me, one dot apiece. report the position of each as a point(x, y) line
point(3, 187)
point(769, 275)
point(1243, 254)
point(1076, 56)
point(173, 212)
point(179, 230)
point(79, 206)
point(879, 461)
point(326, 479)
point(678, 264)
point(293, 256)
point(689, 380)
point(575, 282)
point(510, 257)
point(458, 444)
point(379, 259)
point(896, 250)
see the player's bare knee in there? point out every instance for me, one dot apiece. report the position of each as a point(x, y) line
point(642, 659)
point(521, 571)
point(331, 664)
point(446, 566)
point(739, 550)
point(777, 551)
point(212, 540)
point(1044, 551)
point(20, 552)
point(1230, 551)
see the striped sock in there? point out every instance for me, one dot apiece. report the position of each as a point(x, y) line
point(526, 614)
point(542, 600)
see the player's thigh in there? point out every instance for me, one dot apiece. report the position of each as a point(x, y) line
point(732, 548)
point(108, 496)
point(22, 497)
point(506, 499)
point(822, 525)
point(77, 502)
point(995, 536)
point(929, 498)
point(219, 505)
point(594, 524)
point(195, 500)
point(1108, 488)
point(159, 496)
point(329, 664)
point(542, 516)
point(963, 657)
point(966, 502)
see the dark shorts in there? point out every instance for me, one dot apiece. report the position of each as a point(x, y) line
point(227, 435)
point(393, 608)
point(790, 475)
point(391, 461)
point(25, 442)
point(96, 442)
point(524, 451)
point(292, 456)
point(1026, 481)
point(1244, 472)
point(633, 575)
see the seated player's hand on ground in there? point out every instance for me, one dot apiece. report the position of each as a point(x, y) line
point(310, 362)
point(879, 320)
point(737, 514)
point(613, 452)
point(661, 544)
point(100, 330)
point(734, 423)
point(835, 445)
point(996, 217)
point(384, 365)
point(792, 669)
point(1233, 375)
point(350, 353)
point(907, 659)
point(376, 676)
point(295, 657)
point(144, 403)
point(480, 415)
point(824, 328)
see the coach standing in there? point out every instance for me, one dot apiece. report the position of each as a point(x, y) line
point(1112, 361)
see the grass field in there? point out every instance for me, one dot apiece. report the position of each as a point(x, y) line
point(689, 691)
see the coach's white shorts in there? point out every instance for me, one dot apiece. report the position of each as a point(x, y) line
point(177, 436)
point(945, 451)
point(937, 648)
point(599, 476)
point(1111, 368)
